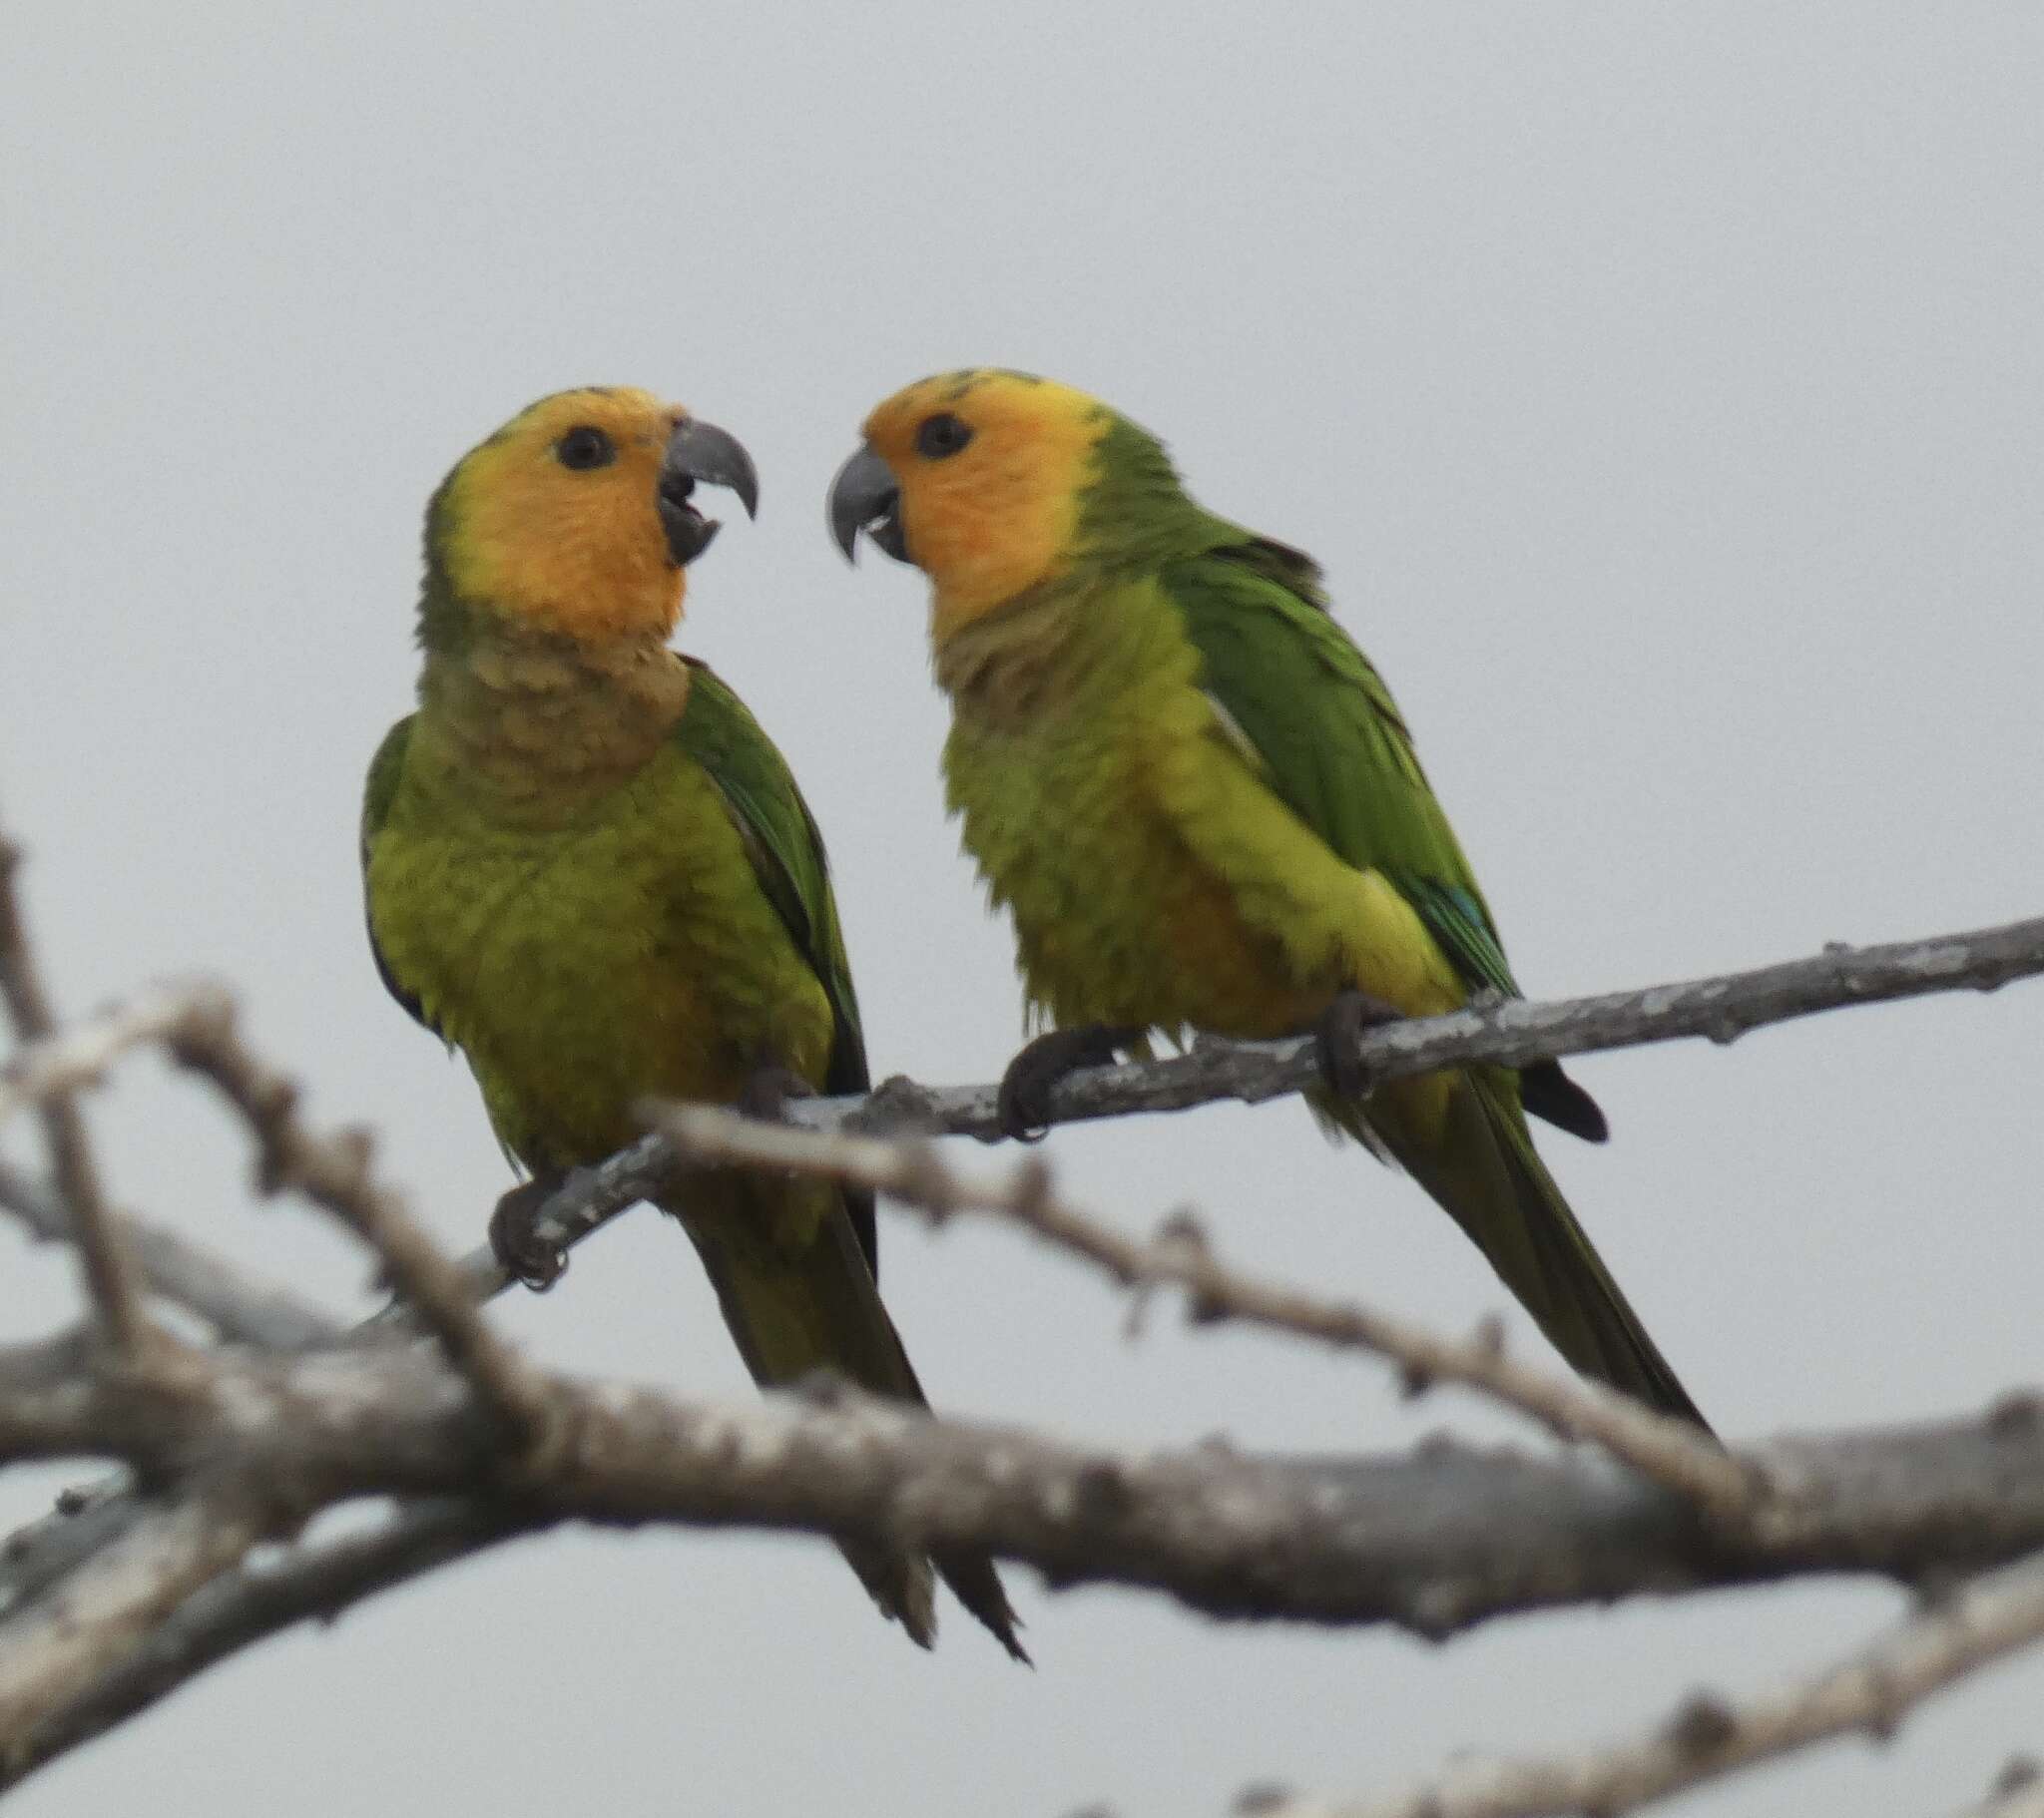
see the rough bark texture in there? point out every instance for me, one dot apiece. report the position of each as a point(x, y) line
point(238, 1412)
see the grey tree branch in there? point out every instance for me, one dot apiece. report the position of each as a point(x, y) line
point(251, 1601)
point(336, 1172)
point(61, 1061)
point(2018, 1792)
point(1436, 1541)
point(242, 1444)
point(1710, 1736)
point(85, 1519)
point(54, 1653)
point(911, 1170)
point(108, 1274)
point(205, 1282)
point(1512, 1032)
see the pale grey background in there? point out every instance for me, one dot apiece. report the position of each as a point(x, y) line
point(1660, 387)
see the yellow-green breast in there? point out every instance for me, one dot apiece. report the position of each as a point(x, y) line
point(1153, 879)
point(627, 950)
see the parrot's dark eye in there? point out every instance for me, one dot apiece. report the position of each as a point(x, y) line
point(941, 435)
point(584, 447)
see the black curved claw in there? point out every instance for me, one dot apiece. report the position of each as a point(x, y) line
point(1023, 1105)
point(768, 1090)
point(526, 1255)
point(1548, 1093)
point(1340, 1031)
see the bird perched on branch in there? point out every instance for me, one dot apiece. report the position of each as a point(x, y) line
point(1202, 808)
point(589, 869)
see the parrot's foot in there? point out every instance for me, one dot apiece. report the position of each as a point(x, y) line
point(1340, 1031)
point(1023, 1107)
point(768, 1090)
point(525, 1254)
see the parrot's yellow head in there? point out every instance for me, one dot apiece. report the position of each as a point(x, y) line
point(978, 478)
point(578, 516)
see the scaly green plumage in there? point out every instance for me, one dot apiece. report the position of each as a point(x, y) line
point(1202, 806)
point(588, 868)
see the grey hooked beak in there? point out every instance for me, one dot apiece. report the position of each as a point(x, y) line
point(864, 497)
point(701, 451)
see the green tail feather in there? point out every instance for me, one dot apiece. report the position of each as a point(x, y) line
point(794, 1315)
point(1488, 1176)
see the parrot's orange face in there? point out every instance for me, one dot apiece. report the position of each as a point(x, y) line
point(976, 478)
point(578, 516)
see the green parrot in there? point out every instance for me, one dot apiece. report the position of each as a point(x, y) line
point(1201, 807)
point(589, 869)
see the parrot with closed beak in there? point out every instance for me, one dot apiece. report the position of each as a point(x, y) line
point(1204, 812)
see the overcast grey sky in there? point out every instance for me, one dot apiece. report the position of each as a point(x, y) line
point(1660, 387)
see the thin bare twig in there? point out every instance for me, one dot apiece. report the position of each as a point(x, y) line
point(1669, 1452)
point(1710, 1736)
point(109, 1275)
point(308, 1582)
point(80, 1055)
point(1511, 1033)
point(2017, 1793)
point(337, 1172)
point(55, 1650)
point(233, 1302)
point(584, 1202)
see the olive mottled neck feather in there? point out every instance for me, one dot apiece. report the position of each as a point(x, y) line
point(1004, 667)
point(1066, 649)
point(529, 727)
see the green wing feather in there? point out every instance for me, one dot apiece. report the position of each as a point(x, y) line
point(787, 1314)
point(1333, 744)
point(780, 837)
point(1346, 767)
point(786, 851)
point(1333, 747)
point(386, 771)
